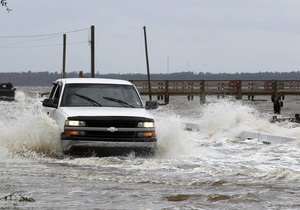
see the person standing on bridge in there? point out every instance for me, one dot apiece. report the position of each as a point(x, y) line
point(81, 75)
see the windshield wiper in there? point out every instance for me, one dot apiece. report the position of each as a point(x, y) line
point(118, 101)
point(95, 103)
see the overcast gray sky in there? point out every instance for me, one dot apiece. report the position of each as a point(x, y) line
point(217, 36)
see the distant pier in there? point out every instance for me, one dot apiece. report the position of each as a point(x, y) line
point(164, 89)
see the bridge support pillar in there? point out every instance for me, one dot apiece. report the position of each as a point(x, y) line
point(202, 99)
point(167, 96)
point(190, 97)
point(238, 88)
point(277, 104)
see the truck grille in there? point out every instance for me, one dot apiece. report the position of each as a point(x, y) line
point(112, 135)
point(112, 123)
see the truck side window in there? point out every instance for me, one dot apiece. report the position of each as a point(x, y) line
point(55, 92)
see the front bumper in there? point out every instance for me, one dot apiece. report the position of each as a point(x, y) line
point(68, 145)
point(7, 98)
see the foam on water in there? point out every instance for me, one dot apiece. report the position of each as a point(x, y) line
point(20, 96)
point(173, 140)
point(220, 123)
point(228, 118)
point(26, 129)
point(207, 164)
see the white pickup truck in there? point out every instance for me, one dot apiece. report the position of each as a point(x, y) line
point(101, 115)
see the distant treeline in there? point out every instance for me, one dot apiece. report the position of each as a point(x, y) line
point(46, 78)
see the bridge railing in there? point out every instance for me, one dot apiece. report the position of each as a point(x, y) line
point(238, 88)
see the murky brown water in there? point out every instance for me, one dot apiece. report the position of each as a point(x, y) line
point(207, 169)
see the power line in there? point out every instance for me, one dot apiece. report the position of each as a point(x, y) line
point(45, 36)
point(35, 40)
point(41, 35)
point(37, 46)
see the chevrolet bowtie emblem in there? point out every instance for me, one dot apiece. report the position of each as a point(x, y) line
point(112, 129)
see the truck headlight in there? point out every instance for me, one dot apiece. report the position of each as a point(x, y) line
point(76, 123)
point(146, 125)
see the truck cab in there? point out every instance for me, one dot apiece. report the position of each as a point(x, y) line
point(7, 92)
point(100, 115)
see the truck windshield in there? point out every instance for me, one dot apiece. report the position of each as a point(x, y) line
point(8, 86)
point(102, 95)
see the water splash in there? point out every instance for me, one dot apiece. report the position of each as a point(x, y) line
point(219, 121)
point(26, 129)
point(173, 140)
point(20, 96)
point(225, 119)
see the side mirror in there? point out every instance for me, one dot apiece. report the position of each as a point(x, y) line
point(151, 105)
point(49, 102)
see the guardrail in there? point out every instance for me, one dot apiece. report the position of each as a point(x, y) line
point(239, 88)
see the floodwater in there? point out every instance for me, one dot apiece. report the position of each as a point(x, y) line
point(206, 169)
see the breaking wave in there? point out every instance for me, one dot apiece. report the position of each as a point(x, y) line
point(26, 129)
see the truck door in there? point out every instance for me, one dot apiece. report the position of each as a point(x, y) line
point(54, 94)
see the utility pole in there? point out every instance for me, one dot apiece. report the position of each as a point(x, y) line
point(147, 62)
point(64, 57)
point(92, 51)
point(168, 64)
